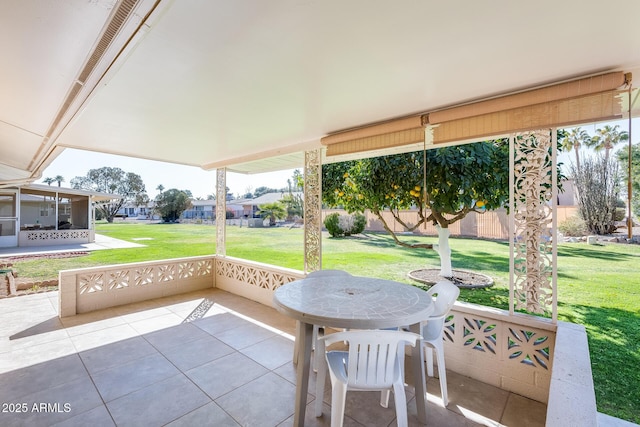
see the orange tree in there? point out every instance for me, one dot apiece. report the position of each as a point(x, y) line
point(456, 180)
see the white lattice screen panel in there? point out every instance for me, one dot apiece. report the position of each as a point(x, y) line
point(533, 200)
point(487, 345)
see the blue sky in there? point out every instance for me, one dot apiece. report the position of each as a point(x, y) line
point(72, 163)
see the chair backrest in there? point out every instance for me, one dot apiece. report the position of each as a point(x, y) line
point(327, 273)
point(445, 294)
point(373, 356)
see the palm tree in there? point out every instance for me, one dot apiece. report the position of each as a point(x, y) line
point(607, 138)
point(160, 188)
point(273, 211)
point(59, 179)
point(574, 140)
point(49, 180)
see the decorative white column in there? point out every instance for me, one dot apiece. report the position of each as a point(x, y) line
point(532, 223)
point(90, 215)
point(312, 210)
point(57, 211)
point(221, 211)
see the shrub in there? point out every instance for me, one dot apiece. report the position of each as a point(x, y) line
point(344, 225)
point(345, 222)
point(620, 212)
point(359, 223)
point(331, 222)
point(597, 183)
point(573, 227)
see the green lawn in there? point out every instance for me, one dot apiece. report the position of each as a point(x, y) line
point(598, 286)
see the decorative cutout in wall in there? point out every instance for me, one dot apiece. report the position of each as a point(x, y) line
point(143, 276)
point(119, 279)
point(529, 347)
point(91, 283)
point(166, 273)
point(449, 328)
point(186, 270)
point(479, 335)
point(204, 268)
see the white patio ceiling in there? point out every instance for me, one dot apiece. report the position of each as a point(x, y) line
point(249, 84)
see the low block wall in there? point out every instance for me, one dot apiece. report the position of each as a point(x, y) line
point(572, 399)
point(95, 288)
point(55, 237)
point(252, 280)
point(514, 353)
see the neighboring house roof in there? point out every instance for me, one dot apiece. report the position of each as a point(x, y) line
point(63, 192)
point(239, 202)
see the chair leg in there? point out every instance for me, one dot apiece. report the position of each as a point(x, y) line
point(384, 395)
point(442, 373)
point(401, 404)
point(338, 401)
point(429, 358)
point(384, 398)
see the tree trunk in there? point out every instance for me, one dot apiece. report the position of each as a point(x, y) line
point(444, 251)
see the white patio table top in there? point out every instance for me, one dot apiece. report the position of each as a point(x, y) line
point(352, 302)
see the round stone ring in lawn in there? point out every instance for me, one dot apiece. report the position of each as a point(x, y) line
point(461, 278)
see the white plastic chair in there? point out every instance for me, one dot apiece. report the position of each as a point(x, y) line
point(370, 364)
point(445, 295)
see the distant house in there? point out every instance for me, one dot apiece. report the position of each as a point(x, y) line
point(38, 215)
point(201, 209)
point(206, 209)
point(253, 205)
point(239, 208)
point(131, 210)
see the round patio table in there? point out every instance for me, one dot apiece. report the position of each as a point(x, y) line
point(352, 302)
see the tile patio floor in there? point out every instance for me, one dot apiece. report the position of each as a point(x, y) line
point(207, 358)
